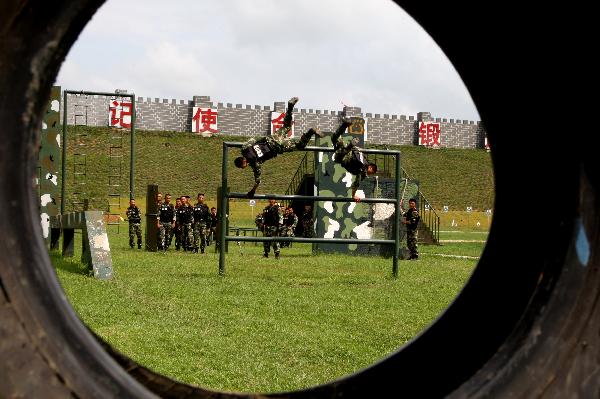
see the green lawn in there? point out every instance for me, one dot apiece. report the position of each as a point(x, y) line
point(269, 325)
point(183, 164)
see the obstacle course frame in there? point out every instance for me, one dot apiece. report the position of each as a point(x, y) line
point(63, 173)
point(224, 205)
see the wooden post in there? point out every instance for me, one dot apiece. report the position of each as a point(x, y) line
point(151, 214)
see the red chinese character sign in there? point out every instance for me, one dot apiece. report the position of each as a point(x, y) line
point(119, 113)
point(429, 134)
point(277, 122)
point(205, 121)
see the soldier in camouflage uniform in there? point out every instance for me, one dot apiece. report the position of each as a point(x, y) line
point(177, 229)
point(290, 221)
point(185, 219)
point(351, 158)
point(307, 222)
point(159, 201)
point(411, 220)
point(165, 223)
point(201, 223)
point(271, 225)
point(135, 223)
point(213, 221)
point(260, 149)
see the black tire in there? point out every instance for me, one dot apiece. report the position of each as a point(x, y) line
point(526, 324)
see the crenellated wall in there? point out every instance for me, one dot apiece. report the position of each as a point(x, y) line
point(254, 120)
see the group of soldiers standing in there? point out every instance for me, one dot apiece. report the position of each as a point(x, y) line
point(193, 226)
point(278, 221)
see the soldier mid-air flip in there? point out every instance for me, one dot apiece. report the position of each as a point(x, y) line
point(351, 158)
point(260, 149)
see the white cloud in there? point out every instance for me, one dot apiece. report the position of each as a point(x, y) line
point(367, 54)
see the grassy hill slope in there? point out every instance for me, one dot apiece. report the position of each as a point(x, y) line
point(187, 164)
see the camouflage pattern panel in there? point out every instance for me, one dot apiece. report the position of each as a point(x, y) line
point(49, 162)
point(97, 245)
point(355, 220)
point(338, 219)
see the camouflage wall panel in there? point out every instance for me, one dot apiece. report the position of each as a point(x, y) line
point(49, 161)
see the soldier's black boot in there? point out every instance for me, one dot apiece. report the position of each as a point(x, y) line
point(305, 138)
point(287, 120)
point(346, 122)
point(139, 245)
point(292, 103)
point(131, 245)
point(266, 255)
point(276, 255)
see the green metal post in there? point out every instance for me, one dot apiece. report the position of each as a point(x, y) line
point(132, 149)
point(64, 155)
point(397, 219)
point(223, 210)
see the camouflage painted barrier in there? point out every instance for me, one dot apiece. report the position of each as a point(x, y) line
point(95, 248)
point(355, 220)
point(49, 162)
point(355, 233)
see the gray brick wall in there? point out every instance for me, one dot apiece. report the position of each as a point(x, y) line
point(254, 120)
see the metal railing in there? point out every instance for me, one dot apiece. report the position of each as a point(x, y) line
point(430, 218)
point(225, 196)
point(305, 167)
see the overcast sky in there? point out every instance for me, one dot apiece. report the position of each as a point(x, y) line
point(368, 54)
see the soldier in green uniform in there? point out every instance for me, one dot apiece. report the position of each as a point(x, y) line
point(159, 200)
point(260, 149)
point(411, 220)
point(177, 230)
point(351, 158)
point(135, 223)
point(185, 219)
point(290, 221)
point(307, 222)
point(271, 225)
point(165, 223)
point(213, 220)
point(201, 223)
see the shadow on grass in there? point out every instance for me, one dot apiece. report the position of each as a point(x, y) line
point(69, 264)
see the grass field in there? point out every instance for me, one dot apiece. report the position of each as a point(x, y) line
point(187, 164)
point(269, 325)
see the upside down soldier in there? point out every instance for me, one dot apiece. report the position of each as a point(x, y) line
point(351, 158)
point(257, 150)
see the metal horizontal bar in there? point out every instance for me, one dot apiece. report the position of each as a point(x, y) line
point(313, 198)
point(324, 149)
point(302, 239)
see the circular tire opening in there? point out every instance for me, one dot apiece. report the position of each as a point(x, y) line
point(493, 326)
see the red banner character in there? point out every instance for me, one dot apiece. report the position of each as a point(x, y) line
point(120, 113)
point(277, 123)
point(429, 134)
point(204, 121)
